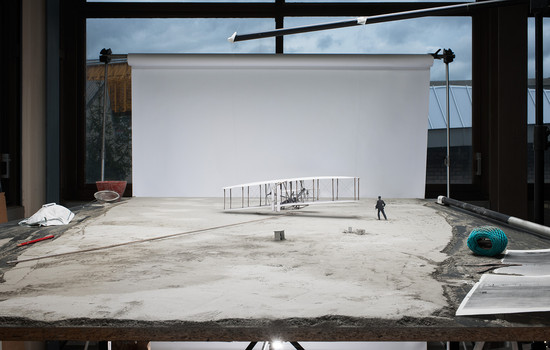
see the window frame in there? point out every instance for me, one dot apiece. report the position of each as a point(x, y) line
point(73, 33)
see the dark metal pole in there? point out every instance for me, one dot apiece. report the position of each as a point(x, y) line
point(434, 11)
point(105, 56)
point(448, 56)
point(448, 112)
point(103, 122)
point(540, 132)
point(528, 226)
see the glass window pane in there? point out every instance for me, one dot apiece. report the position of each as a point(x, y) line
point(418, 36)
point(118, 123)
point(179, 35)
point(124, 36)
point(414, 36)
point(531, 95)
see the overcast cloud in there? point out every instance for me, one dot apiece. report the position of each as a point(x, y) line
point(419, 36)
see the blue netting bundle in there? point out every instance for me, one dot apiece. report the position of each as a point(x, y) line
point(487, 240)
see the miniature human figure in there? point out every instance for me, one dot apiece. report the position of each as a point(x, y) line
point(380, 204)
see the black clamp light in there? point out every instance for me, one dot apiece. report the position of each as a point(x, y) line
point(105, 55)
point(448, 55)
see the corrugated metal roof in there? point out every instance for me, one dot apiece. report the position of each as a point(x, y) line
point(120, 84)
point(460, 99)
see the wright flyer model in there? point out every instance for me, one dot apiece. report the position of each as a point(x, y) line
point(292, 193)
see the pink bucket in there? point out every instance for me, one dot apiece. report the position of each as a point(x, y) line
point(117, 186)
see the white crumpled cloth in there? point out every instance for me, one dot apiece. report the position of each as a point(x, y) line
point(49, 215)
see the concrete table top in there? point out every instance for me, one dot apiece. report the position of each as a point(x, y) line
point(182, 269)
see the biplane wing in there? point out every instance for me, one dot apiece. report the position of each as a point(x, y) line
point(292, 193)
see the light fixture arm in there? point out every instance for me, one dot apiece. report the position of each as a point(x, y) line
point(433, 11)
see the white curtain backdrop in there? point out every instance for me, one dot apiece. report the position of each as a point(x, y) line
point(202, 122)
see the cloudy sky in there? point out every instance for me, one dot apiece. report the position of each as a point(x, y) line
point(419, 36)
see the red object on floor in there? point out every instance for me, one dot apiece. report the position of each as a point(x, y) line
point(35, 240)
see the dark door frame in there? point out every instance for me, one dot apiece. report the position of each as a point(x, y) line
point(10, 100)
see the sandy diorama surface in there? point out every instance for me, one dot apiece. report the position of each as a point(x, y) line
point(174, 262)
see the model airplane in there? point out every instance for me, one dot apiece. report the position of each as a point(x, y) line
point(292, 193)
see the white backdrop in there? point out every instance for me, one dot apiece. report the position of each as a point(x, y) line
point(202, 122)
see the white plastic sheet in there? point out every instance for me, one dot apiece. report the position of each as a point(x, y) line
point(504, 294)
point(534, 262)
point(49, 215)
point(522, 285)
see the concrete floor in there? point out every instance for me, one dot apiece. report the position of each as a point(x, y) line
point(412, 269)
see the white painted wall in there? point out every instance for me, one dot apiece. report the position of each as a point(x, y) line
point(202, 122)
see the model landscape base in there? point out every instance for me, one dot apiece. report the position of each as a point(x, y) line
point(402, 279)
